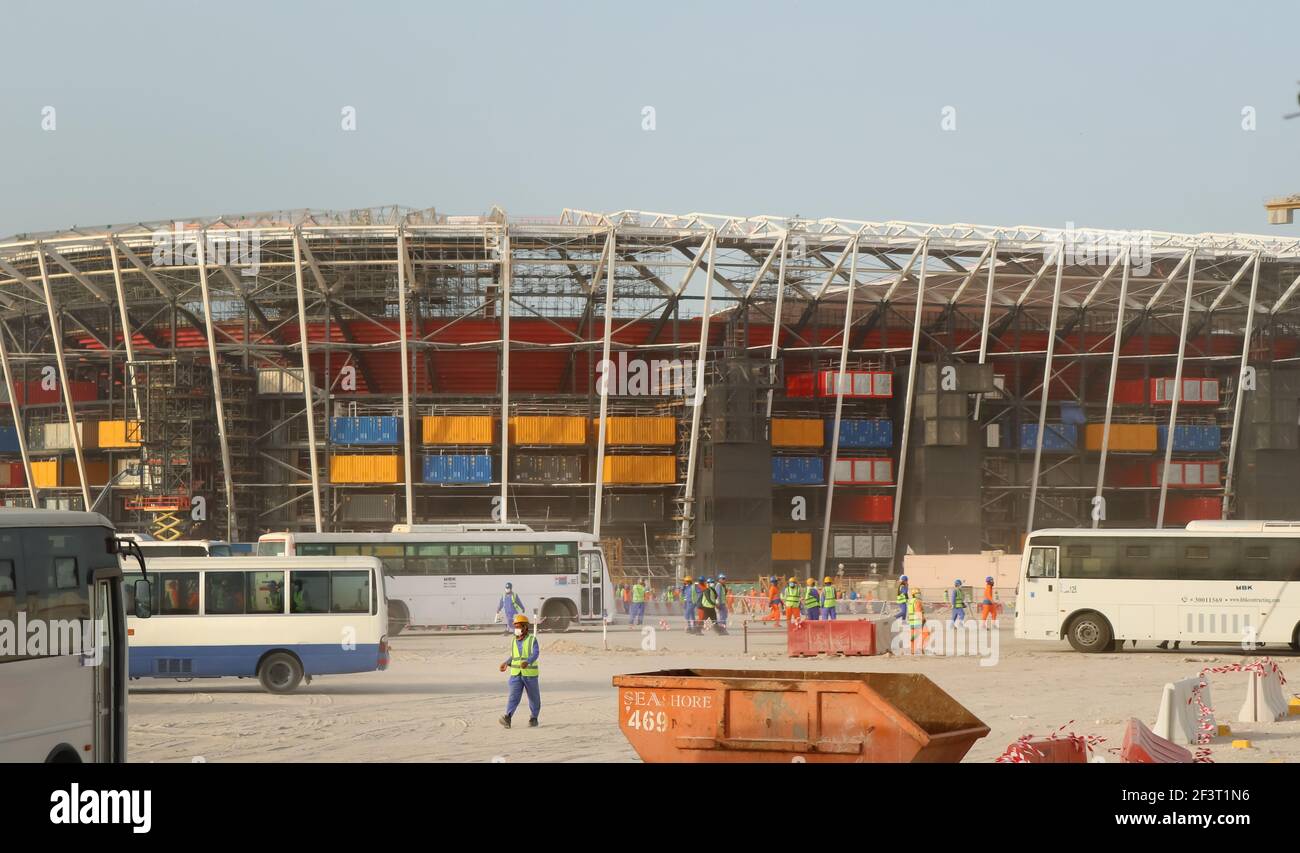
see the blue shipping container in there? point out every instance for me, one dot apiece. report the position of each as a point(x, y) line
point(458, 468)
point(1056, 437)
point(9, 440)
point(1193, 438)
point(797, 470)
point(860, 432)
point(366, 430)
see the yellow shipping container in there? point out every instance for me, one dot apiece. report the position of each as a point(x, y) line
point(640, 469)
point(797, 432)
point(643, 431)
point(548, 429)
point(96, 472)
point(45, 474)
point(364, 469)
point(456, 429)
point(1130, 437)
point(791, 546)
point(119, 434)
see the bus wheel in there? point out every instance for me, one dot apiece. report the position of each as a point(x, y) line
point(280, 673)
point(1090, 632)
point(398, 617)
point(555, 617)
point(1295, 639)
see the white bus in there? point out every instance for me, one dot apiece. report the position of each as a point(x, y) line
point(276, 620)
point(62, 693)
point(1213, 583)
point(455, 574)
point(154, 548)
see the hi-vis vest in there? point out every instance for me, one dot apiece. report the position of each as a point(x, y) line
point(709, 599)
point(914, 613)
point(810, 598)
point(519, 657)
point(513, 602)
point(638, 594)
point(791, 596)
point(828, 596)
point(958, 600)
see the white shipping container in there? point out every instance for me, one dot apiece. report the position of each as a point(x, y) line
point(862, 546)
point(1211, 473)
point(843, 470)
point(882, 470)
point(884, 546)
point(862, 470)
point(1191, 473)
point(862, 384)
point(1209, 390)
point(993, 435)
point(1175, 473)
point(1191, 390)
point(279, 381)
point(883, 385)
point(58, 435)
point(843, 546)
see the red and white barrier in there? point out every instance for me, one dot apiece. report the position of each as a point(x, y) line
point(1186, 714)
point(1264, 700)
point(1143, 746)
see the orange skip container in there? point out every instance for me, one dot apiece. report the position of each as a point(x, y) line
point(722, 715)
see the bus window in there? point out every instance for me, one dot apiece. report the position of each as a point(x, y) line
point(1207, 560)
point(176, 594)
point(350, 592)
point(265, 592)
point(309, 592)
point(8, 591)
point(219, 551)
point(1042, 562)
point(224, 593)
point(270, 548)
point(315, 549)
point(65, 572)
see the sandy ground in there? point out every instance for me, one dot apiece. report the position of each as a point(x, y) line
point(442, 695)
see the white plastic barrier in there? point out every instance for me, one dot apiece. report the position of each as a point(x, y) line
point(1264, 700)
point(1179, 718)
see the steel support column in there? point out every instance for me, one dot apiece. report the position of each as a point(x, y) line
point(1178, 387)
point(1114, 374)
point(1228, 481)
point(911, 396)
point(839, 403)
point(404, 346)
point(777, 320)
point(701, 363)
point(605, 378)
point(1046, 388)
point(16, 411)
point(217, 396)
point(507, 271)
point(56, 334)
point(308, 387)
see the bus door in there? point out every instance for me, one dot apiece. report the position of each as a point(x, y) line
point(591, 580)
point(108, 658)
point(1041, 615)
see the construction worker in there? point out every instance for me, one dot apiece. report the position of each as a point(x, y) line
point(828, 599)
point(812, 601)
point(988, 610)
point(915, 618)
point(901, 600)
point(510, 604)
point(790, 598)
point(724, 604)
point(709, 606)
point(958, 603)
point(773, 602)
point(522, 666)
point(638, 604)
point(688, 603)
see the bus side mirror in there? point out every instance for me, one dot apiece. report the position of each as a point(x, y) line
point(143, 595)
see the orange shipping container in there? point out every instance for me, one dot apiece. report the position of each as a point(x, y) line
point(119, 434)
point(364, 469)
point(45, 473)
point(797, 432)
point(456, 429)
point(640, 470)
point(1123, 437)
point(97, 473)
point(642, 431)
point(791, 546)
point(548, 429)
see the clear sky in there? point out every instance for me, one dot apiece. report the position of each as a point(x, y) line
point(1106, 114)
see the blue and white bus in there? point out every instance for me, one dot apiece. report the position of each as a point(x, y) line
point(278, 620)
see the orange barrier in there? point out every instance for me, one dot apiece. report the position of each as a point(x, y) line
point(1143, 746)
point(838, 637)
point(732, 716)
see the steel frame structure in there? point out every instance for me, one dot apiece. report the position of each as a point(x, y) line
point(361, 288)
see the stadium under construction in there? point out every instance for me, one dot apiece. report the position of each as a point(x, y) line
point(938, 388)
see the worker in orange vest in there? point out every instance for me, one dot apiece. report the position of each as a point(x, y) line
point(773, 602)
point(988, 610)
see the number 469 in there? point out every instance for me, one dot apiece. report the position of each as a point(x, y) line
point(648, 721)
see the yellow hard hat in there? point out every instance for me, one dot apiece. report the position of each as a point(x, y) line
point(521, 619)
point(811, 581)
point(792, 580)
point(826, 579)
point(916, 594)
point(687, 579)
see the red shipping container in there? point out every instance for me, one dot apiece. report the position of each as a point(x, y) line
point(12, 476)
point(1180, 509)
point(799, 385)
point(1128, 474)
point(1197, 391)
point(841, 637)
point(863, 508)
point(1130, 392)
point(32, 394)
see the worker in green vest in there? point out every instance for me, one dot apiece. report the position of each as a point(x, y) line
point(638, 603)
point(812, 601)
point(828, 599)
point(709, 605)
point(790, 597)
point(958, 603)
point(522, 666)
point(915, 619)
